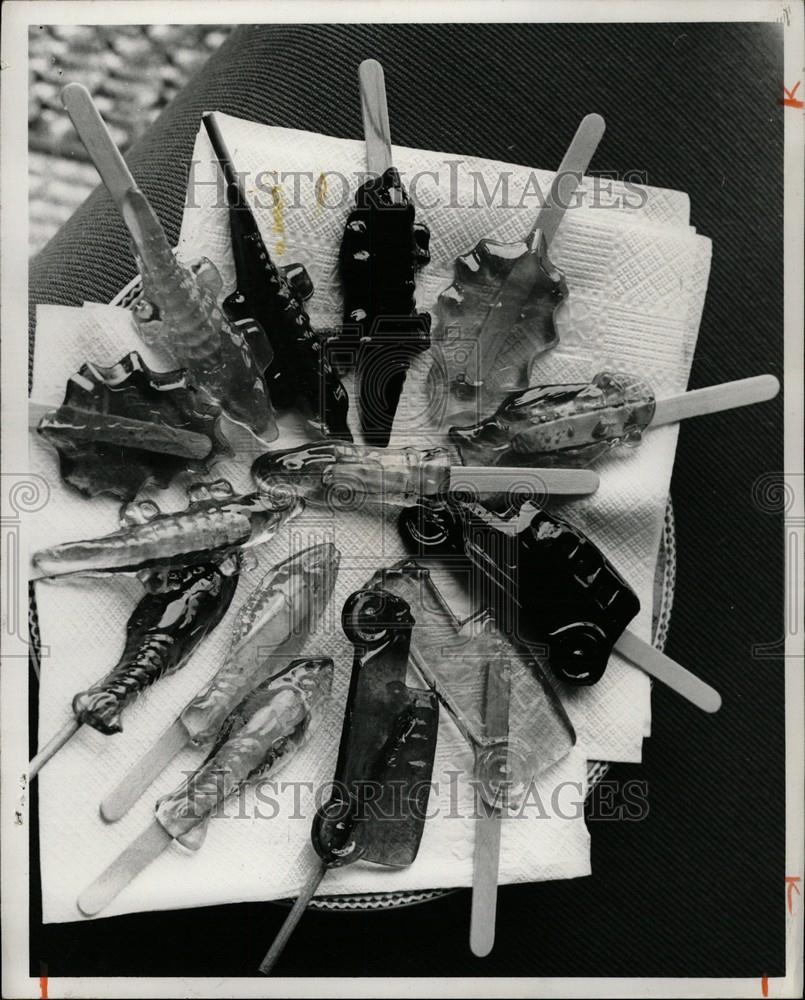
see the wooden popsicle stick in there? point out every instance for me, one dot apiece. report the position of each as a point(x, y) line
point(486, 856)
point(375, 113)
point(110, 164)
point(486, 862)
point(143, 772)
point(137, 856)
point(52, 747)
point(715, 398)
point(483, 479)
point(672, 674)
point(293, 918)
point(98, 141)
point(107, 429)
point(575, 162)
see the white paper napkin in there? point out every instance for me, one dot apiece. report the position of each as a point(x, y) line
point(637, 279)
point(637, 275)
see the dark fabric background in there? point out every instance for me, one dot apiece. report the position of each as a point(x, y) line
point(697, 888)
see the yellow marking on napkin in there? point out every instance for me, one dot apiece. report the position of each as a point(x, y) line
point(279, 221)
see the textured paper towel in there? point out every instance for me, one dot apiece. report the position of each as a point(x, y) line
point(637, 274)
point(641, 313)
point(247, 854)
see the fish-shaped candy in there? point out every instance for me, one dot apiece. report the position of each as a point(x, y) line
point(578, 423)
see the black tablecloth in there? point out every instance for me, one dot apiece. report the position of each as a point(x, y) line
point(696, 888)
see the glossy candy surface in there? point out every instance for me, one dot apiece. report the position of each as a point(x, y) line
point(339, 471)
point(475, 361)
point(162, 632)
point(214, 524)
point(388, 740)
point(456, 659)
point(296, 367)
point(178, 310)
point(381, 250)
point(266, 727)
point(560, 424)
point(275, 620)
point(127, 389)
point(548, 582)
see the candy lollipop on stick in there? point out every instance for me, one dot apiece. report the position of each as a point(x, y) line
point(381, 250)
point(298, 370)
point(551, 587)
point(274, 621)
point(162, 633)
point(259, 734)
point(178, 308)
point(151, 544)
point(578, 423)
point(336, 469)
point(498, 315)
point(388, 742)
point(122, 426)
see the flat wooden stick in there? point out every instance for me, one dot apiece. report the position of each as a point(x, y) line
point(486, 858)
point(52, 747)
point(672, 674)
point(108, 428)
point(375, 113)
point(486, 861)
point(293, 918)
point(137, 856)
point(100, 145)
point(143, 772)
point(495, 479)
point(575, 162)
point(714, 398)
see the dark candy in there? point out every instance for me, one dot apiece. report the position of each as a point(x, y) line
point(388, 739)
point(270, 299)
point(381, 250)
point(162, 633)
point(128, 389)
point(546, 580)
